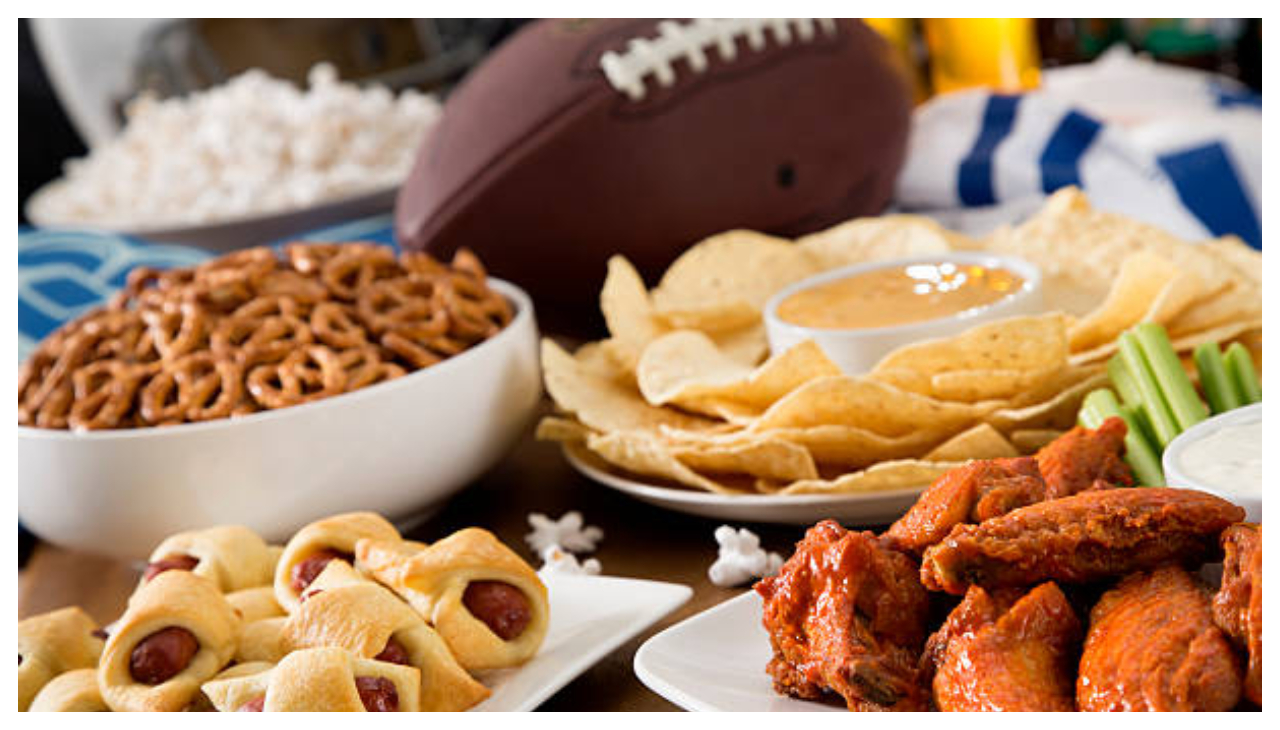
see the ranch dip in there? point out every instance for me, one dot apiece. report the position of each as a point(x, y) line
point(1229, 459)
point(899, 295)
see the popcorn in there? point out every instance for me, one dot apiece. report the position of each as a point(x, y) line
point(556, 561)
point(741, 558)
point(567, 532)
point(252, 146)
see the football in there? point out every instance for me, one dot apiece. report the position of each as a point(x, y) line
point(578, 139)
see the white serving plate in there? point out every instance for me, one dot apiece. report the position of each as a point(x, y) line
point(715, 662)
point(238, 233)
point(590, 617)
point(399, 448)
point(877, 508)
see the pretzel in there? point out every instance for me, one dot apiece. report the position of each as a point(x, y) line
point(306, 374)
point(103, 393)
point(334, 325)
point(198, 387)
point(253, 330)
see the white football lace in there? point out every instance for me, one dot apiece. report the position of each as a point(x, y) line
point(626, 70)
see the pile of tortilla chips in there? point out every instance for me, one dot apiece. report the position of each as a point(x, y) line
point(679, 394)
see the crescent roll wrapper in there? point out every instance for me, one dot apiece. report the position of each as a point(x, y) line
point(73, 691)
point(363, 617)
point(232, 556)
point(172, 599)
point(435, 580)
point(323, 679)
point(339, 533)
point(261, 641)
point(238, 685)
point(255, 604)
point(53, 643)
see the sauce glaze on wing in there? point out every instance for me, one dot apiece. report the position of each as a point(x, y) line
point(846, 614)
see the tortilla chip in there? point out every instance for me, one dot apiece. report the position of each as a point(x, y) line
point(972, 386)
point(1017, 343)
point(686, 368)
point(886, 476)
point(1031, 440)
point(1080, 251)
point(980, 442)
point(844, 447)
point(766, 458)
point(877, 239)
point(1182, 343)
point(646, 455)
point(564, 430)
point(1149, 288)
point(868, 404)
point(628, 313)
point(1241, 302)
point(1059, 412)
point(724, 281)
point(586, 386)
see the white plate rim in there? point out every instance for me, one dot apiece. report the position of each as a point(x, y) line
point(666, 597)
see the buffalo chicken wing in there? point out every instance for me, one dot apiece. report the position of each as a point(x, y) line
point(846, 614)
point(1087, 537)
point(1153, 646)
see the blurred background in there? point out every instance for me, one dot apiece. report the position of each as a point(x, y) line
point(75, 75)
point(1177, 101)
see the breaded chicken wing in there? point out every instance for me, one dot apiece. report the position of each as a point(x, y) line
point(846, 614)
point(1082, 538)
point(1237, 608)
point(1008, 651)
point(1152, 646)
point(1079, 458)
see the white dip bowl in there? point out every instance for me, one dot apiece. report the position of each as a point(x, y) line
point(857, 351)
point(400, 448)
point(1179, 473)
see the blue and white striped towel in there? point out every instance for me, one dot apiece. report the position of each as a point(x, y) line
point(977, 158)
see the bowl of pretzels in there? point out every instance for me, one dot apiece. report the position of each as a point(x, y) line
point(269, 387)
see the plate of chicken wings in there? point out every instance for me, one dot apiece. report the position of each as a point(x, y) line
point(1039, 583)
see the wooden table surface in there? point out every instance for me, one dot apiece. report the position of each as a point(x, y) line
point(640, 542)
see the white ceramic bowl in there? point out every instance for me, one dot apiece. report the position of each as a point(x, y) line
point(1177, 475)
point(857, 351)
point(399, 448)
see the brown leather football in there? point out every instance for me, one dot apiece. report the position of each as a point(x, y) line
point(579, 139)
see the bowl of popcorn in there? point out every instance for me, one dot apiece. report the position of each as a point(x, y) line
point(269, 387)
point(251, 161)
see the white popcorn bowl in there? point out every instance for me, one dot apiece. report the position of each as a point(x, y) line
point(857, 351)
point(399, 448)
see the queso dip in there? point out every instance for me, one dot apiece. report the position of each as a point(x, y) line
point(899, 295)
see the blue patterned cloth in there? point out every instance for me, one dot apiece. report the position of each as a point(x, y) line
point(63, 274)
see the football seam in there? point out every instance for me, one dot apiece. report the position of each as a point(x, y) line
point(627, 70)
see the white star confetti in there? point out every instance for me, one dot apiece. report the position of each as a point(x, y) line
point(568, 533)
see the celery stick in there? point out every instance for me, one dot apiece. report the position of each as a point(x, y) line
point(1218, 388)
point(1163, 424)
point(1179, 393)
point(1123, 382)
point(1100, 405)
point(1240, 364)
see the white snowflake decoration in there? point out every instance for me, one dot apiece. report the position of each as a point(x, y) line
point(556, 561)
point(568, 533)
point(741, 558)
